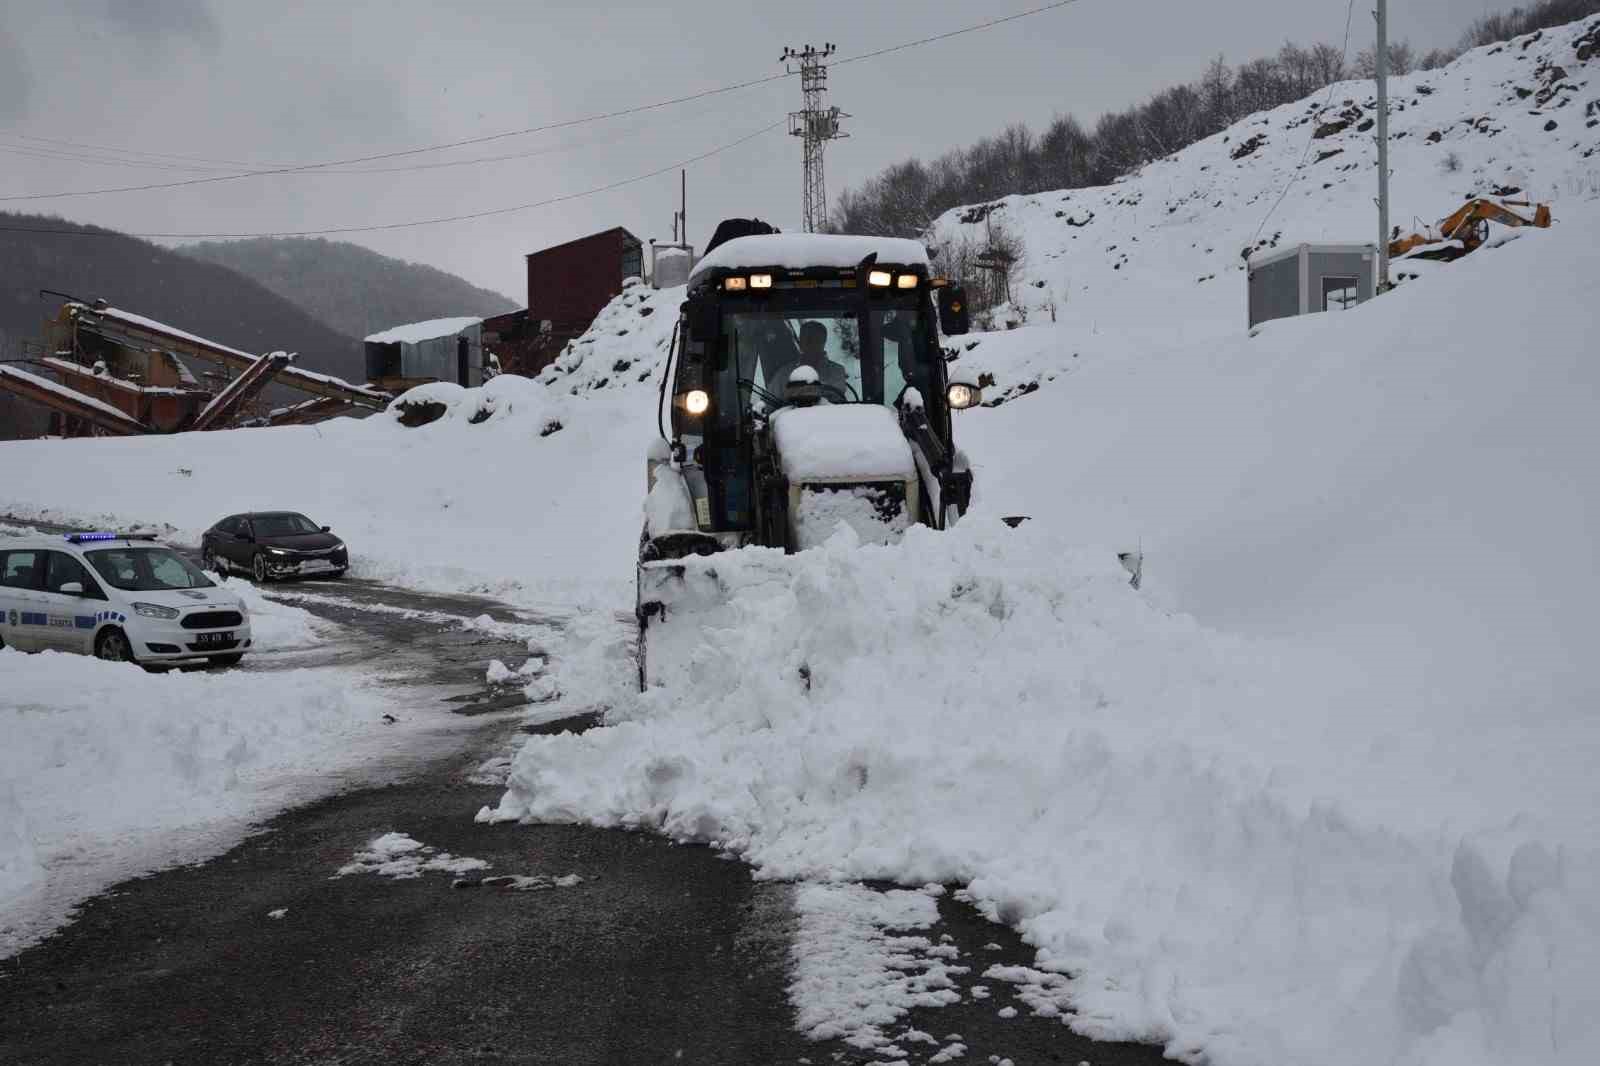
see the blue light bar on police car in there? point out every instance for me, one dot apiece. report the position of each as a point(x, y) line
point(85, 538)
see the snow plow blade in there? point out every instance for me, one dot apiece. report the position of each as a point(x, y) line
point(683, 602)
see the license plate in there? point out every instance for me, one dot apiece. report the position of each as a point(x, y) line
point(207, 640)
point(313, 565)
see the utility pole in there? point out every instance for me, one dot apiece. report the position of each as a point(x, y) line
point(814, 124)
point(1382, 67)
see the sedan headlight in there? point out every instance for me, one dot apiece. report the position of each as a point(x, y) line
point(277, 551)
point(154, 610)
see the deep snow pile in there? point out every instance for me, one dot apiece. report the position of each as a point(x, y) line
point(1240, 847)
point(107, 771)
point(1341, 808)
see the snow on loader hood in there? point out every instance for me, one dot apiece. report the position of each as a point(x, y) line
point(832, 442)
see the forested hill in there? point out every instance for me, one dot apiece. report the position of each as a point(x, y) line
point(157, 282)
point(350, 288)
point(904, 199)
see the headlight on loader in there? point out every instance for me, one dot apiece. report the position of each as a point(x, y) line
point(697, 401)
point(960, 397)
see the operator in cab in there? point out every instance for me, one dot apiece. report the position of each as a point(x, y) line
point(814, 354)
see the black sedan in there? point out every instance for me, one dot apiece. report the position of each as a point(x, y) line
point(273, 544)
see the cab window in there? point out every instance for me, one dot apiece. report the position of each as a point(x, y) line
point(21, 569)
point(62, 569)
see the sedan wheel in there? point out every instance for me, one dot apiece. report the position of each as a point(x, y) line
point(113, 646)
point(259, 568)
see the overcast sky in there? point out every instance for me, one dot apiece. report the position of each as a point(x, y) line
point(232, 82)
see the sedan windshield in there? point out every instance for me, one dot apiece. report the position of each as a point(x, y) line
point(283, 525)
point(147, 569)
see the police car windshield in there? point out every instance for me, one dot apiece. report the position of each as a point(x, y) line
point(146, 569)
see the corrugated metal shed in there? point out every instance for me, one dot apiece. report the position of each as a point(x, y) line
point(1303, 279)
point(441, 349)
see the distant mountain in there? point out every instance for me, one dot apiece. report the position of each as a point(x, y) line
point(144, 278)
point(350, 288)
point(159, 283)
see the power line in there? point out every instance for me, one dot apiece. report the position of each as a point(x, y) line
point(1344, 51)
point(444, 164)
point(416, 222)
point(565, 124)
point(379, 157)
point(989, 24)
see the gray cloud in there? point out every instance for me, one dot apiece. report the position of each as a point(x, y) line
point(14, 79)
point(177, 23)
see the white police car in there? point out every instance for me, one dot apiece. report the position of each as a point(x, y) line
point(116, 596)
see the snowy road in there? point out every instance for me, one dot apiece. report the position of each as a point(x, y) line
point(599, 946)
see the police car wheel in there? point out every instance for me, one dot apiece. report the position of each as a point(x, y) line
point(112, 645)
point(258, 568)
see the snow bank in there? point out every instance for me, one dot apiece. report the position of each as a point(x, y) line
point(275, 625)
point(103, 763)
point(1236, 846)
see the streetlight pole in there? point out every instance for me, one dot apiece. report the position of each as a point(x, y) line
point(1382, 66)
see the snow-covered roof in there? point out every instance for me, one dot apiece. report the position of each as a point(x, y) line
point(46, 385)
point(423, 331)
point(1261, 259)
point(796, 251)
point(129, 318)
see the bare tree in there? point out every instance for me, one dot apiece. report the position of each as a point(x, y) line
point(1328, 64)
point(1402, 61)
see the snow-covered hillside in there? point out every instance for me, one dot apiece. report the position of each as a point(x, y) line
point(1160, 249)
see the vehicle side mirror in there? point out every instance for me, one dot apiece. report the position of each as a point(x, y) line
point(954, 319)
point(702, 319)
point(327, 529)
point(961, 396)
point(71, 588)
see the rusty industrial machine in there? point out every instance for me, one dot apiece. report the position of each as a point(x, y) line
point(115, 372)
point(1465, 229)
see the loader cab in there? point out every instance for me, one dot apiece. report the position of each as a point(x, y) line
point(868, 328)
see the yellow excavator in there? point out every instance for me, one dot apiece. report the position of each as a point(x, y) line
point(1465, 229)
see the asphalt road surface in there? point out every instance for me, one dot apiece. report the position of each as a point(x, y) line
point(655, 953)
